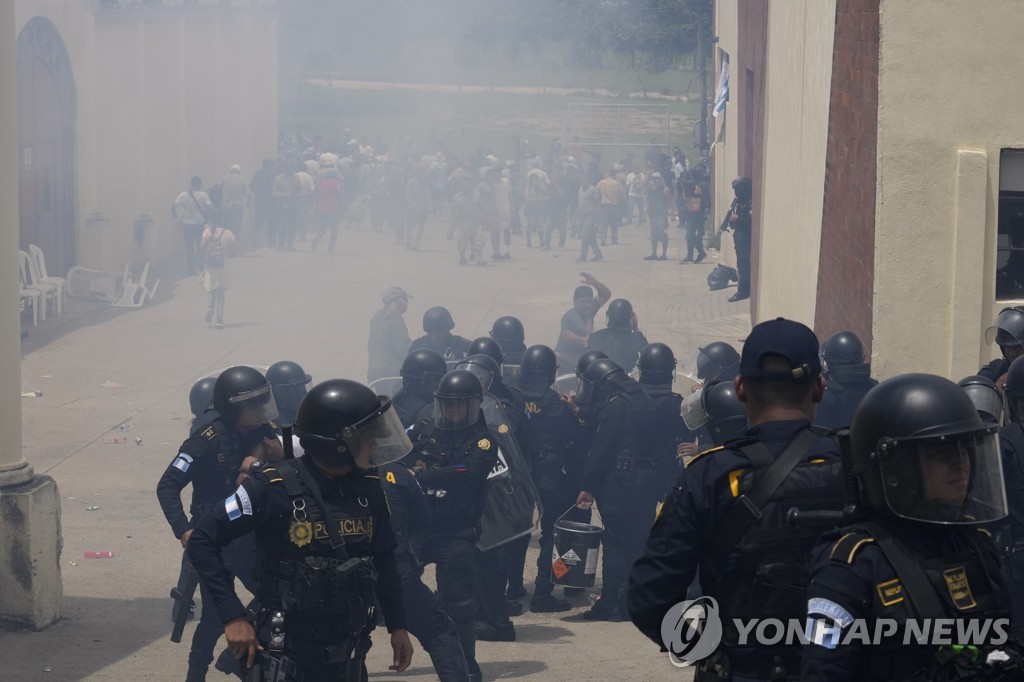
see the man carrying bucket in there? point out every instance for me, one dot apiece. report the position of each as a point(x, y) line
point(726, 517)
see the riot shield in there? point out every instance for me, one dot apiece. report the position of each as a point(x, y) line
point(510, 374)
point(510, 498)
point(388, 386)
point(566, 384)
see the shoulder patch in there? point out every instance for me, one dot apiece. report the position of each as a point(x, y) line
point(484, 444)
point(890, 592)
point(390, 477)
point(845, 548)
point(209, 433)
point(705, 452)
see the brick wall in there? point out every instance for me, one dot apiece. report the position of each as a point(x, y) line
point(749, 75)
point(846, 267)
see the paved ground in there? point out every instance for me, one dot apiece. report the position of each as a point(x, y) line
point(98, 367)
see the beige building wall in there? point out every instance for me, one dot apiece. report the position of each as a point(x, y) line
point(725, 153)
point(946, 109)
point(164, 93)
point(797, 89)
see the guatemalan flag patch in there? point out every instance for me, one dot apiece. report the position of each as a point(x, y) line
point(182, 462)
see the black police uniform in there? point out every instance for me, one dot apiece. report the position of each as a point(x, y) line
point(669, 431)
point(325, 595)
point(210, 459)
point(622, 345)
point(453, 348)
point(451, 466)
point(620, 473)
point(411, 406)
point(840, 402)
point(741, 233)
point(994, 369)
point(763, 572)
point(1010, 533)
point(428, 621)
point(955, 568)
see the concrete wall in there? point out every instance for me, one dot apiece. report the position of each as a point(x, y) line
point(798, 75)
point(164, 93)
point(945, 110)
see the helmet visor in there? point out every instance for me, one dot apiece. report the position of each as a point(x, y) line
point(379, 438)
point(585, 391)
point(255, 406)
point(288, 396)
point(1008, 329)
point(455, 413)
point(987, 400)
point(946, 480)
point(693, 411)
point(484, 376)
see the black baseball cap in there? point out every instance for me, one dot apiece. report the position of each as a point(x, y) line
point(792, 340)
point(582, 291)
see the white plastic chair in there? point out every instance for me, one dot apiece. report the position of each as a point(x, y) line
point(60, 282)
point(33, 296)
point(30, 278)
point(134, 294)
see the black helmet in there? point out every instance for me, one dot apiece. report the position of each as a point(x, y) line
point(438, 319)
point(657, 364)
point(483, 367)
point(537, 369)
point(620, 314)
point(509, 332)
point(421, 370)
point(717, 406)
point(743, 188)
point(717, 361)
point(457, 400)
point(200, 398)
point(587, 358)
point(598, 381)
point(922, 453)
point(842, 358)
point(343, 422)
point(1013, 391)
point(1008, 329)
point(485, 345)
point(240, 387)
point(985, 396)
point(289, 382)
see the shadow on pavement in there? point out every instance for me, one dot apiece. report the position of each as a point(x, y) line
point(535, 632)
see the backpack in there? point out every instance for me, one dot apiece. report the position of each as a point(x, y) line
point(720, 277)
point(215, 249)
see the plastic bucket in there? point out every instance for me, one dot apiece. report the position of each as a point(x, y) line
point(574, 556)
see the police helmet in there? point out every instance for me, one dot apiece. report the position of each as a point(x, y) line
point(922, 453)
point(620, 314)
point(421, 370)
point(717, 361)
point(239, 388)
point(1008, 329)
point(509, 332)
point(743, 188)
point(1013, 391)
point(657, 364)
point(843, 348)
point(438, 319)
point(457, 400)
point(587, 358)
point(200, 398)
point(718, 407)
point(485, 345)
point(343, 422)
point(483, 367)
point(538, 368)
point(598, 381)
point(985, 396)
point(289, 383)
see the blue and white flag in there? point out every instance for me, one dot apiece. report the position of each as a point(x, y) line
point(722, 95)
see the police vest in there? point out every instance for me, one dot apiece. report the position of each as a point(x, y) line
point(223, 457)
point(641, 424)
point(437, 448)
point(315, 580)
point(547, 445)
point(961, 584)
point(668, 408)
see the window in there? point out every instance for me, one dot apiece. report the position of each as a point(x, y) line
point(1010, 235)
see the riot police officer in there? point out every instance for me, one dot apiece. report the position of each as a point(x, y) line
point(1011, 444)
point(620, 476)
point(200, 401)
point(326, 544)
point(740, 222)
point(509, 333)
point(717, 361)
point(726, 516)
point(488, 371)
point(210, 460)
point(428, 621)
point(987, 399)
point(551, 440)
point(657, 365)
point(1008, 334)
point(716, 411)
point(289, 383)
point(421, 371)
point(453, 452)
point(620, 340)
point(847, 379)
point(929, 474)
point(438, 325)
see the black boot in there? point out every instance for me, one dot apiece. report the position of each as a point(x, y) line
point(196, 674)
